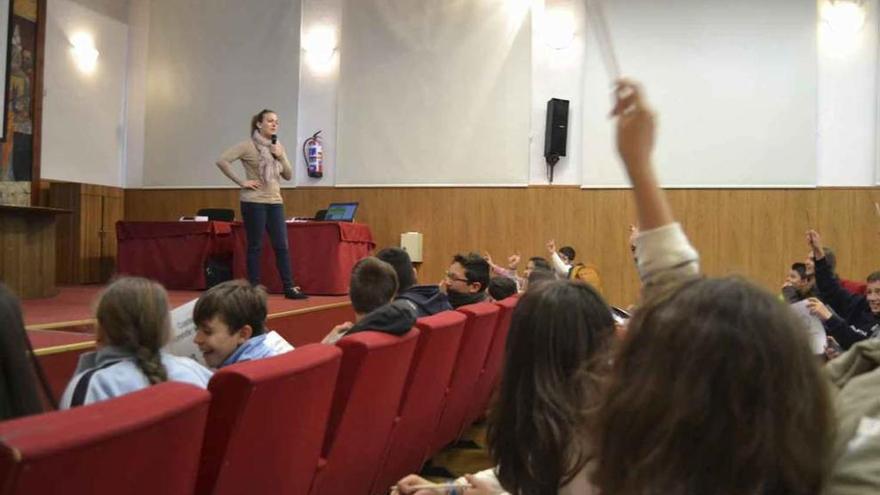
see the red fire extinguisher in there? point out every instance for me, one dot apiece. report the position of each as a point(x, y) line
point(313, 156)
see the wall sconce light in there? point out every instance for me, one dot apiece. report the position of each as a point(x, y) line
point(558, 28)
point(845, 17)
point(84, 53)
point(842, 22)
point(320, 47)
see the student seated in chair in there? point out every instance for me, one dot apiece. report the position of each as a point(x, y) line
point(133, 326)
point(425, 299)
point(230, 323)
point(466, 280)
point(565, 266)
point(501, 288)
point(372, 289)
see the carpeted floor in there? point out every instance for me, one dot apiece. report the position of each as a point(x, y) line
point(75, 302)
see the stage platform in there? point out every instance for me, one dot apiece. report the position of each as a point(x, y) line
point(61, 328)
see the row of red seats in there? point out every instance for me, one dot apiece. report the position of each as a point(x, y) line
point(346, 419)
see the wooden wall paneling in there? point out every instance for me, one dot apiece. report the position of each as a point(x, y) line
point(66, 195)
point(91, 221)
point(849, 224)
point(751, 232)
point(27, 252)
point(113, 210)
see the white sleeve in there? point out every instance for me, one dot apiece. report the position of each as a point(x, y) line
point(666, 252)
point(487, 475)
point(559, 265)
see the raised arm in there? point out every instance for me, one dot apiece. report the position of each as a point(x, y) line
point(831, 292)
point(662, 249)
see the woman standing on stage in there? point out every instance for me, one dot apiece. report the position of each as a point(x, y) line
point(262, 208)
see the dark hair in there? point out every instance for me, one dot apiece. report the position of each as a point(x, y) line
point(800, 268)
point(476, 269)
point(256, 119)
point(568, 251)
point(555, 353)
point(501, 288)
point(373, 284)
point(540, 263)
point(873, 277)
point(237, 303)
point(399, 260)
point(133, 314)
point(19, 395)
point(539, 277)
point(714, 390)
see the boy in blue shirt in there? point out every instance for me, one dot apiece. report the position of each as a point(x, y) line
point(230, 323)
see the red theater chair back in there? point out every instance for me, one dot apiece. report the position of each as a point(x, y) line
point(267, 422)
point(146, 442)
point(475, 341)
point(488, 378)
point(423, 397)
point(365, 403)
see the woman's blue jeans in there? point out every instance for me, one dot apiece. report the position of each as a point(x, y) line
point(258, 218)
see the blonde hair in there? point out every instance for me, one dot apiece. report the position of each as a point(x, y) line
point(133, 315)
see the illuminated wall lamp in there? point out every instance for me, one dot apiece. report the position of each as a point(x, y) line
point(845, 17)
point(84, 53)
point(320, 47)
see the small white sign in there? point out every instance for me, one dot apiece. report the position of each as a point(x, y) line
point(277, 343)
point(183, 330)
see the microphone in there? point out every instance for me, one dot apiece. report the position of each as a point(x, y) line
point(274, 138)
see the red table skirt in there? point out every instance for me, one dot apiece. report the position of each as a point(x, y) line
point(172, 253)
point(321, 255)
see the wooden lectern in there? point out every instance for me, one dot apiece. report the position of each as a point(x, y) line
point(27, 249)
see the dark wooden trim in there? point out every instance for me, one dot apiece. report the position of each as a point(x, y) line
point(42, 210)
point(37, 101)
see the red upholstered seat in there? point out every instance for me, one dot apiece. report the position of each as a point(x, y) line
point(491, 371)
point(368, 390)
point(146, 442)
point(267, 422)
point(475, 341)
point(423, 397)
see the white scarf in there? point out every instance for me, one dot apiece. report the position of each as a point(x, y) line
point(270, 168)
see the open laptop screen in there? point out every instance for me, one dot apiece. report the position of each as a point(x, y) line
point(341, 212)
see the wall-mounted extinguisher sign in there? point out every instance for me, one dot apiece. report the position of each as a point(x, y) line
point(313, 156)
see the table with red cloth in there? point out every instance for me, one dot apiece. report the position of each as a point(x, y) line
point(321, 255)
point(172, 253)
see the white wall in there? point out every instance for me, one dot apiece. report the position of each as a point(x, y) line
point(136, 92)
point(318, 85)
point(848, 105)
point(557, 72)
point(212, 64)
point(94, 126)
point(83, 131)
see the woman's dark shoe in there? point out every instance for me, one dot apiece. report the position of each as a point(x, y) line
point(294, 293)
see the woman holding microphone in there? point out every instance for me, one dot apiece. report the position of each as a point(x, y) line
point(262, 207)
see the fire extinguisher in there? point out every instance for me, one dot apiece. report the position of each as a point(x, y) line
point(313, 156)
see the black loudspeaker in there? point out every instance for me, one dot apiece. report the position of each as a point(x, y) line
point(556, 132)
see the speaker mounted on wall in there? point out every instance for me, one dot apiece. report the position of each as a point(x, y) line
point(555, 133)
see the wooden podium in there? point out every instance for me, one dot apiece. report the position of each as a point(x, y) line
point(27, 249)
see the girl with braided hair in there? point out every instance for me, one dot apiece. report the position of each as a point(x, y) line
point(133, 324)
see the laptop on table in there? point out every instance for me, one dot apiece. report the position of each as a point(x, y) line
point(341, 212)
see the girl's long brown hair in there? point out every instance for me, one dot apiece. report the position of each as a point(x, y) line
point(133, 315)
point(555, 351)
point(714, 391)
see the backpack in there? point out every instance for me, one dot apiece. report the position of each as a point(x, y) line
point(587, 274)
